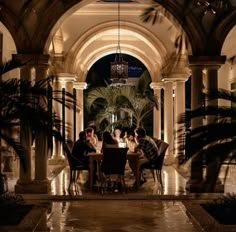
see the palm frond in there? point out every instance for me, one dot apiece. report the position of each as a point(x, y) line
point(17, 147)
point(216, 138)
point(9, 65)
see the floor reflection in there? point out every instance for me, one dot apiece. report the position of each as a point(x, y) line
point(174, 184)
point(121, 215)
point(58, 175)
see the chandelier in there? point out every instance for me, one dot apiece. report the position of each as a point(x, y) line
point(207, 6)
point(118, 68)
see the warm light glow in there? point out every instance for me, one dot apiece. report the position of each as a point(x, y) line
point(119, 68)
point(166, 181)
point(122, 144)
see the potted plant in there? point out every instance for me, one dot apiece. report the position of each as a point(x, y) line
point(213, 215)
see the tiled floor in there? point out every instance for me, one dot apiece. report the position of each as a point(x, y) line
point(148, 209)
point(119, 216)
point(120, 213)
point(143, 210)
point(174, 184)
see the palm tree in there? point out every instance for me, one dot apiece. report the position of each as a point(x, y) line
point(214, 142)
point(108, 101)
point(136, 102)
point(140, 109)
point(27, 105)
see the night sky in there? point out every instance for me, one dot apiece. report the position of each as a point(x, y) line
point(100, 72)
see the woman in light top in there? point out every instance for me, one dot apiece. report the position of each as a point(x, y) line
point(117, 136)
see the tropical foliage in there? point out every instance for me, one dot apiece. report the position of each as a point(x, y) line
point(214, 11)
point(29, 105)
point(109, 103)
point(222, 209)
point(215, 141)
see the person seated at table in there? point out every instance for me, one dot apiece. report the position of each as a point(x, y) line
point(108, 140)
point(117, 135)
point(80, 150)
point(91, 136)
point(147, 148)
point(131, 142)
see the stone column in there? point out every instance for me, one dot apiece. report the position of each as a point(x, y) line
point(212, 164)
point(25, 178)
point(197, 64)
point(175, 74)
point(25, 185)
point(157, 86)
point(168, 119)
point(57, 156)
point(196, 176)
point(69, 113)
point(179, 109)
point(41, 182)
point(212, 84)
point(80, 86)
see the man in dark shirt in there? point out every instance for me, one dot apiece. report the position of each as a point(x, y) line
point(147, 148)
point(80, 150)
point(82, 147)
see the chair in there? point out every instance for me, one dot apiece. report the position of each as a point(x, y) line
point(74, 164)
point(156, 165)
point(113, 163)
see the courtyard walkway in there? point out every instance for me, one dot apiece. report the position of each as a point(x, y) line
point(148, 209)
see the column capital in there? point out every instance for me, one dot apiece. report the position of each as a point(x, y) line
point(80, 85)
point(31, 59)
point(180, 79)
point(157, 85)
point(206, 61)
point(166, 80)
point(66, 77)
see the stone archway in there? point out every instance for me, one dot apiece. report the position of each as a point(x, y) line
point(99, 38)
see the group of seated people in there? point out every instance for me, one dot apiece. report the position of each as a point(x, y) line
point(140, 142)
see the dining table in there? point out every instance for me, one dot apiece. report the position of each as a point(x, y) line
point(97, 156)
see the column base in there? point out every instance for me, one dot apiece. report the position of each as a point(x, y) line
point(39, 187)
point(57, 161)
point(202, 187)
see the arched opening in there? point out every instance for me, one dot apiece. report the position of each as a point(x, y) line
point(139, 81)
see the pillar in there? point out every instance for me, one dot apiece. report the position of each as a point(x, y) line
point(157, 86)
point(212, 165)
point(179, 110)
point(25, 184)
point(41, 182)
point(80, 86)
point(196, 176)
point(57, 156)
point(197, 64)
point(212, 84)
point(168, 119)
point(69, 112)
point(25, 177)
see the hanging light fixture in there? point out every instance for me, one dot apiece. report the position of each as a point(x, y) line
point(118, 68)
point(207, 6)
